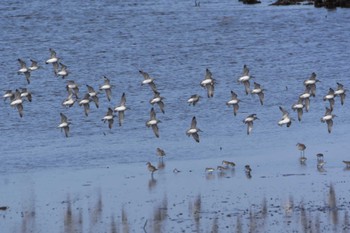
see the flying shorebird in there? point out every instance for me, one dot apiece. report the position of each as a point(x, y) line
point(109, 117)
point(249, 121)
point(25, 93)
point(24, 70)
point(53, 60)
point(208, 83)
point(107, 87)
point(340, 92)
point(86, 103)
point(72, 88)
point(311, 84)
point(152, 122)
point(63, 72)
point(69, 102)
point(259, 91)
point(148, 80)
point(305, 97)
point(234, 102)
point(157, 99)
point(328, 118)
point(245, 79)
point(16, 101)
point(64, 124)
point(34, 66)
point(93, 95)
point(286, 119)
point(299, 108)
point(193, 99)
point(330, 97)
point(8, 94)
point(193, 130)
point(121, 109)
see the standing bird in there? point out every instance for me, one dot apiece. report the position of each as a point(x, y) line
point(86, 103)
point(249, 121)
point(248, 171)
point(286, 119)
point(160, 153)
point(193, 99)
point(259, 91)
point(152, 122)
point(340, 92)
point(328, 118)
point(234, 102)
point(151, 168)
point(107, 88)
point(64, 124)
point(330, 97)
point(121, 109)
point(299, 108)
point(193, 130)
point(245, 79)
point(24, 70)
point(109, 117)
point(302, 149)
point(208, 83)
point(93, 95)
point(148, 80)
point(157, 99)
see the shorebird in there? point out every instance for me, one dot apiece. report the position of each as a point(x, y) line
point(121, 109)
point(160, 152)
point(228, 163)
point(86, 103)
point(16, 101)
point(107, 88)
point(328, 118)
point(259, 91)
point(347, 163)
point(93, 95)
point(193, 99)
point(305, 97)
point(233, 102)
point(193, 130)
point(176, 170)
point(109, 117)
point(148, 80)
point(69, 102)
point(299, 108)
point(209, 170)
point(72, 88)
point(330, 97)
point(64, 124)
point(311, 84)
point(248, 171)
point(286, 120)
point(8, 94)
point(151, 168)
point(63, 72)
point(249, 121)
point(53, 60)
point(157, 99)
point(24, 70)
point(152, 122)
point(302, 149)
point(221, 168)
point(25, 93)
point(34, 66)
point(245, 79)
point(319, 157)
point(340, 92)
point(208, 83)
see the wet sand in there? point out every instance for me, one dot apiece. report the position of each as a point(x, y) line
point(280, 195)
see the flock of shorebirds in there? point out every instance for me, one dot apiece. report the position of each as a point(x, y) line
point(18, 96)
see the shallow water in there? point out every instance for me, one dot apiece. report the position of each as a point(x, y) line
point(174, 42)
